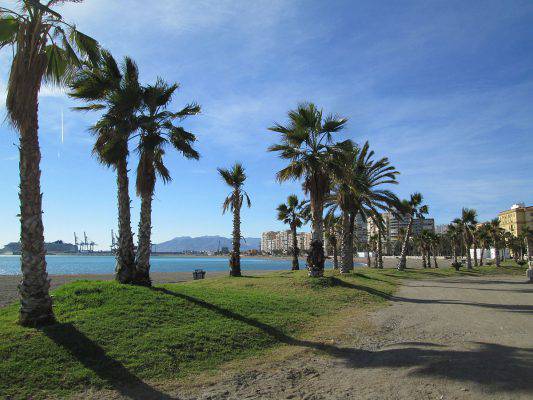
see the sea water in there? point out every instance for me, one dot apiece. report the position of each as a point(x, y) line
point(95, 264)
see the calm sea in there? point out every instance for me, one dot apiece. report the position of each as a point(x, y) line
point(71, 265)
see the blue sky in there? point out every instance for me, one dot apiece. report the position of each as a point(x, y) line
point(443, 88)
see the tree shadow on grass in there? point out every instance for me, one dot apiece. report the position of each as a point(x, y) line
point(496, 366)
point(93, 357)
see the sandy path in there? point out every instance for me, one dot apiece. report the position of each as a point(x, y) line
point(460, 338)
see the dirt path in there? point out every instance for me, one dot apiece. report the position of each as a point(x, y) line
point(460, 338)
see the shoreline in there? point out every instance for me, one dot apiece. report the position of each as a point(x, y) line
point(9, 283)
point(162, 255)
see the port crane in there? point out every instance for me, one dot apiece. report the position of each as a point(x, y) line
point(85, 246)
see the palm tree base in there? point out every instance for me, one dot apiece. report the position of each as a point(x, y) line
point(124, 274)
point(316, 259)
point(235, 265)
point(316, 273)
point(142, 279)
point(37, 319)
point(344, 271)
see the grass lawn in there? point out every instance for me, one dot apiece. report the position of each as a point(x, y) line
point(113, 336)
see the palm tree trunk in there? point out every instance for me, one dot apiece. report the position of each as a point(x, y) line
point(125, 266)
point(379, 252)
point(481, 255)
point(335, 254)
point(454, 251)
point(424, 265)
point(528, 250)
point(350, 240)
point(368, 259)
point(295, 249)
point(435, 259)
point(403, 260)
point(22, 105)
point(475, 254)
point(345, 249)
point(144, 249)
point(36, 303)
point(468, 256)
point(235, 258)
point(316, 258)
point(496, 253)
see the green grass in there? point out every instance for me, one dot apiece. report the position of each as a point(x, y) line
point(112, 336)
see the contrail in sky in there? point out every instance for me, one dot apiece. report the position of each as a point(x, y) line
point(62, 133)
point(62, 128)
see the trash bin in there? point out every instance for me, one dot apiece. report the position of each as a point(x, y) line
point(198, 274)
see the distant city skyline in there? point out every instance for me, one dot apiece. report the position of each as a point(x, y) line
point(444, 89)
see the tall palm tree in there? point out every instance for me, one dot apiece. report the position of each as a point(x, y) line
point(483, 238)
point(435, 241)
point(235, 177)
point(332, 227)
point(412, 208)
point(306, 142)
point(117, 91)
point(467, 224)
point(358, 189)
point(291, 213)
point(45, 48)
point(454, 233)
point(157, 131)
point(527, 237)
point(496, 234)
point(419, 241)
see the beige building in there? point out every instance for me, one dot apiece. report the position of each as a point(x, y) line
point(516, 219)
point(282, 241)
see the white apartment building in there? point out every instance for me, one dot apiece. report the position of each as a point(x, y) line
point(394, 226)
point(282, 241)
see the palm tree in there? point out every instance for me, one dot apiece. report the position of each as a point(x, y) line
point(527, 237)
point(157, 131)
point(331, 227)
point(411, 208)
point(467, 225)
point(306, 142)
point(45, 48)
point(358, 189)
point(116, 90)
point(435, 241)
point(419, 242)
point(496, 234)
point(483, 238)
point(454, 233)
point(291, 213)
point(235, 177)
point(380, 247)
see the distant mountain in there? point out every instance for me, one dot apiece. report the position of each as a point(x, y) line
point(204, 243)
